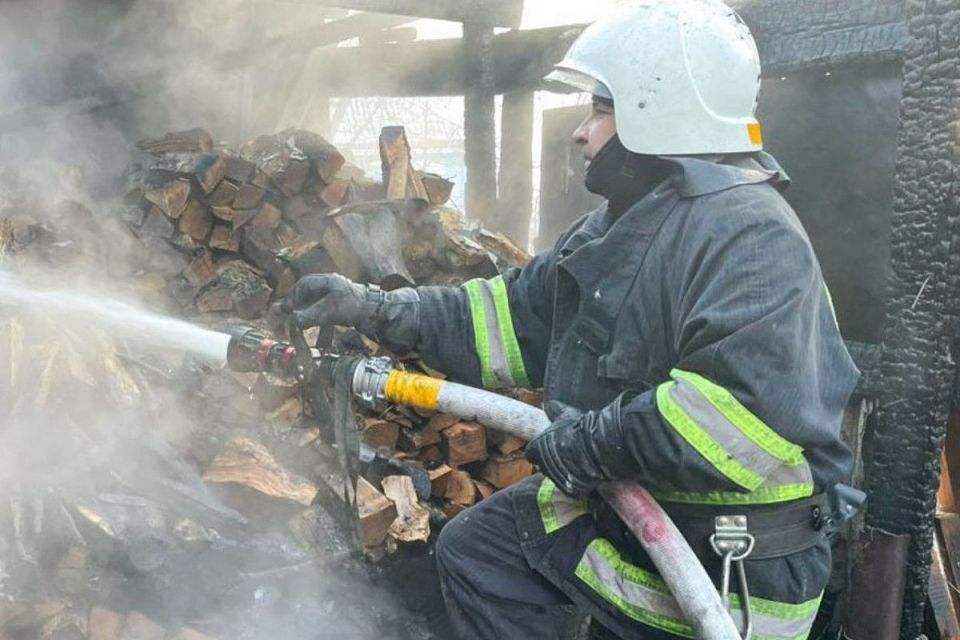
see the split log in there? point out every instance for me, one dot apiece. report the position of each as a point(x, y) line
point(505, 442)
point(484, 489)
point(288, 177)
point(196, 221)
point(139, 627)
point(416, 439)
point(377, 513)
point(22, 616)
point(68, 627)
point(316, 531)
point(104, 624)
point(250, 464)
point(248, 197)
point(413, 520)
point(451, 510)
point(262, 180)
point(942, 598)
point(201, 271)
point(441, 421)
point(187, 633)
point(260, 247)
point(438, 479)
point(464, 442)
point(326, 159)
point(238, 169)
point(381, 434)
point(223, 195)
point(190, 141)
point(268, 217)
point(438, 188)
point(207, 169)
point(225, 238)
point(237, 287)
point(431, 455)
point(503, 247)
point(304, 205)
point(156, 225)
point(398, 174)
point(369, 241)
point(454, 485)
point(170, 198)
point(225, 214)
point(291, 239)
point(286, 416)
point(273, 391)
point(504, 470)
point(242, 216)
point(335, 194)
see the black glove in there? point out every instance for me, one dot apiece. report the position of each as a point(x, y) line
point(391, 318)
point(569, 451)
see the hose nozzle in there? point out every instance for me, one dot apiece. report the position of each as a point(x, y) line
point(252, 350)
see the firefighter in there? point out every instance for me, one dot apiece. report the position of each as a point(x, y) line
point(684, 339)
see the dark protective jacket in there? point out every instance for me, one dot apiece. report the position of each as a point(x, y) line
point(699, 318)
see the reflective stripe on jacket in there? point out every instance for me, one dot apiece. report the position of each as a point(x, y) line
point(705, 306)
point(702, 313)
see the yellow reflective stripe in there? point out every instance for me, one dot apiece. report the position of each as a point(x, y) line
point(701, 441)
point(833, 310)
point(501, 363)
point(734, 441)
point(644, 597)
point(557, 509)
point(754, 428)
point(478, 315)
point(763, 495)
point(507, 334)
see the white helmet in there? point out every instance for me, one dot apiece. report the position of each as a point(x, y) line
point(683, 76)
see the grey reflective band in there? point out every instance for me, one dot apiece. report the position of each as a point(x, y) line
point(734, 441)
point(644, 597)
point(501, 363)
point(557, 509)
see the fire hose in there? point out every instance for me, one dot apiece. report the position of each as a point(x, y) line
point(376, 383)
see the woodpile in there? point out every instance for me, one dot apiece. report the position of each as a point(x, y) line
point(165, 472)
point(247, 223)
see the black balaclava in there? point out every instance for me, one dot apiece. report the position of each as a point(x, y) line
point(624, 177)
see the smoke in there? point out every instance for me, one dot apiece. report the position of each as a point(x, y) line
point(99, 504)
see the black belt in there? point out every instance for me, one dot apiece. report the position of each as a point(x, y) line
point(778, 529)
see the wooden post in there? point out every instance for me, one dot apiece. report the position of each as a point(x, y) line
point(516, 167)
point(479, 124)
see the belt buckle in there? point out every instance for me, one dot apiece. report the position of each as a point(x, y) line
point(733, 542)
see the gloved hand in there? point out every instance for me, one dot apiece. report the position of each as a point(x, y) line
point(581, 450)
point(391, 318)
point(560, 451)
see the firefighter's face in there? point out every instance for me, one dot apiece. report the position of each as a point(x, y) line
point(596, 130)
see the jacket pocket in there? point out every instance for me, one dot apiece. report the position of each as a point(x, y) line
point(624, 366)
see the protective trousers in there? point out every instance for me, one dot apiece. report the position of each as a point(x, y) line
point(504, 577)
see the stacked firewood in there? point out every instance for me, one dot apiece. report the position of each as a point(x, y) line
point(250, 223)
point(160, 471)
point(226, 232)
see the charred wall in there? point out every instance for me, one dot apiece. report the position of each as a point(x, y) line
point(914, 378)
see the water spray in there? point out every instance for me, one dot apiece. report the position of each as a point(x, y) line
point(121, 318)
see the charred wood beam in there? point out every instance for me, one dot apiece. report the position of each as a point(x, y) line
point(280, 72)
point(494, 13)
point(479, 123)
point(441, 67)
point(516, 167)
point(334, 31)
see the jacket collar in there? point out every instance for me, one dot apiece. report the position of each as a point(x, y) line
point(702, 175)
point(605, 253)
